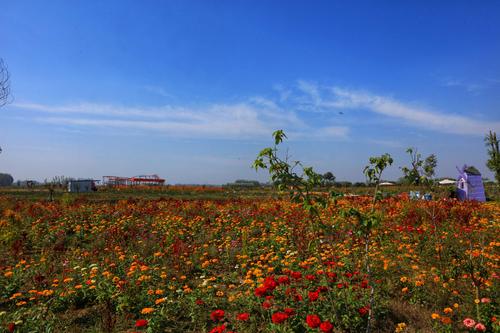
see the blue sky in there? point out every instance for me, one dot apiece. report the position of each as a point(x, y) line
point(192, 90)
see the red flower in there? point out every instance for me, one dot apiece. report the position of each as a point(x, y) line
point(279, 317)
point(322, 288)
point(217, 315)
point(310, 277)
point(11, 327)
point(313, 321)
point(270, 283)
point(340, 285)
point(313, 295)
point(218, 329)
point(141, 323)
point(296, 275)
point(364, 310)
point(266, 304)
point(284, 280)
point(326, 327)
point(199, 302)
point(289, 311)
point(260, 291)
point(243, 316)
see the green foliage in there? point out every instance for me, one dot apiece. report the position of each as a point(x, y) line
point(493, 163)
point(294, 177)
point(378, 164)
point(421, 171)
point(328, 179)
point(6, 179)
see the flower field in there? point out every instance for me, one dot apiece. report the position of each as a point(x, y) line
point(247, 265)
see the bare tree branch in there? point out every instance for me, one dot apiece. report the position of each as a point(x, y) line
point(4, 84)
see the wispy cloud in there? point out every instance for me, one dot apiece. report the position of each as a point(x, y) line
point(470, 87)
point(158, 90)
point(256, 117)
point(411, 115)
point(328, 99)
point(308, 110)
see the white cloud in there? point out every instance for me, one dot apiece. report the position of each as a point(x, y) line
point(259, 116)
point(473, 88)
point(256, 118)
point(412, 115)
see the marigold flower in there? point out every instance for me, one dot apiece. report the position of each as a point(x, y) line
point(147, 310)
point(446, 320)
point(435, 316)
point(448, 310)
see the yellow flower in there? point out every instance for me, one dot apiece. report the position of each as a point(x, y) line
point(147, 310)
point(447, 310)
point(400, 328)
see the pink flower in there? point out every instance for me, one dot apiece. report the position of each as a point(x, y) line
point(480, 327)
point(469, 323)
point(485, 300)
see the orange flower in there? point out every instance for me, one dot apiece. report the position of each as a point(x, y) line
point(147, 310)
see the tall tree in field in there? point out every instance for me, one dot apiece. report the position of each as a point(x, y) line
point(493, 162)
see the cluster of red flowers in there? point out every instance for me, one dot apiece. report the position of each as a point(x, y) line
point(314, 321)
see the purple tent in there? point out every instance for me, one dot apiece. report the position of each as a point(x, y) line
point(470, 184)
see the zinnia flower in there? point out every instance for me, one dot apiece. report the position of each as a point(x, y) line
point(469, 323)
point(141, 323)
point(326, 327)
point(480, 327)
point(364, 310)
point(243, 316)
point(313, 295)
point(217, 315)
point(279, 317)
point(313, 321)
point(218, 329)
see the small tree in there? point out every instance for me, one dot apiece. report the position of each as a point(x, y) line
point(493, 162)
point(293, 177)
point(328, 179)
point(421, 171)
